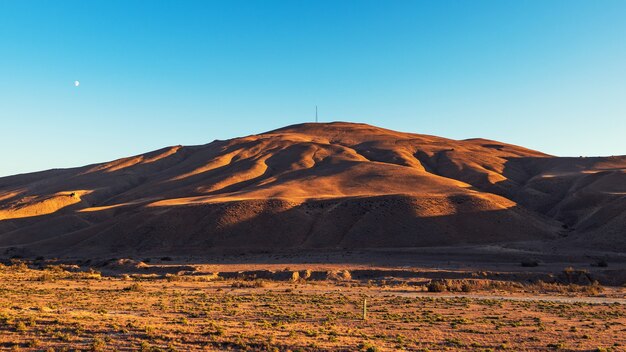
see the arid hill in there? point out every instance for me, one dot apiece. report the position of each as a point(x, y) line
point(335, 185)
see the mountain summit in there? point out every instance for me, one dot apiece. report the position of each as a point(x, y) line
point(317, 185)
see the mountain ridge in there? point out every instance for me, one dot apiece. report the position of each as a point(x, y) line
point(317, 185)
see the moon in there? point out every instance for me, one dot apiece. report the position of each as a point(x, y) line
point(76, 83)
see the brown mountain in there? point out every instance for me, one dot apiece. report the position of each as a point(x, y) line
point(335, 185)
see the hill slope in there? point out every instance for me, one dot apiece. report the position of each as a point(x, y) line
point(336, 185)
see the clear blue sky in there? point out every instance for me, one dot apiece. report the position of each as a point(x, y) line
point(549, 75)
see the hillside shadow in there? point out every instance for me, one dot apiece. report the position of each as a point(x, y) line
point(382, 222)
point(274, 225)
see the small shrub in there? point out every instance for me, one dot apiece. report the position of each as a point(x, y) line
point(145, 347)
point(134, 288)
point(46, 277)
point(341, 275)
point(556, 346)
point(594, 289)
point(258, 283)
point(98, 344)
point(34, 343)
point(437, 286)
point(215, 329)
point(20, 326)
point(454, 342)
point(63, 336)
point(173, 277)
point(368, 347)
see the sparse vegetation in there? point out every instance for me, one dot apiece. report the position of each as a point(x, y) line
point(248, 284)
point(135, 287)
point(437, 286)
point(321, 310)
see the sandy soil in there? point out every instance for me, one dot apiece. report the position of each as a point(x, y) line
point(69, 308)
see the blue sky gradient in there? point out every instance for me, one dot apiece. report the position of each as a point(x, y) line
point(548, 75)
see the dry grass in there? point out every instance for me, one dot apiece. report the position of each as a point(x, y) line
point(472, 285)
point(56, 309)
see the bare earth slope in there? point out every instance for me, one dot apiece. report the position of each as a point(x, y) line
point(336, 185)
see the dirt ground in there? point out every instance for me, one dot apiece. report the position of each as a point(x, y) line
point(172, 306)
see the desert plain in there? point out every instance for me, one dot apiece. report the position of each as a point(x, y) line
point(318, 237)
point(291, 302)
